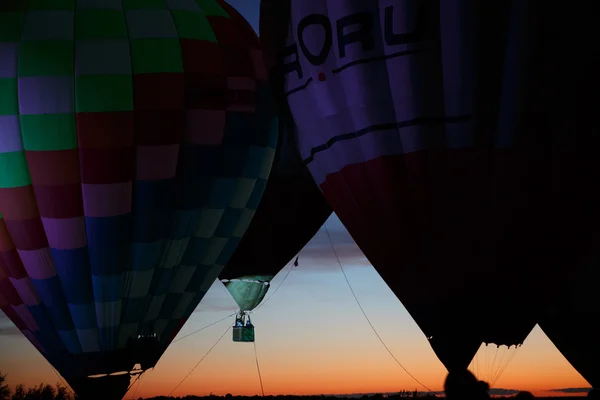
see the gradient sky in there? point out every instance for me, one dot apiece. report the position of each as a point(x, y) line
point(311, 336)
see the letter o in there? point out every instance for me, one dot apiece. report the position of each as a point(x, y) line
point(316, 19)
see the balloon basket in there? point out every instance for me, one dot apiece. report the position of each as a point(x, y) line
point(243, 330)
point(243, 334)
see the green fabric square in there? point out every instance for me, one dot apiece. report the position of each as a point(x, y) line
point(193, 25)
point(14, 171)
point(144, 4)
point(156, 56)
point(49, 132)
point(12, 26)
point(51, 5)
point(100, 24)
point(9, 96)
point(103, 93)
point(46, 58)
point(212, 8)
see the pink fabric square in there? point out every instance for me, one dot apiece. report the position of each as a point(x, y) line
point(65, 233)
point(38, 263)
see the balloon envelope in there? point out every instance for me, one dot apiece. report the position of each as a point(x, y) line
point(455, 146)
point(291, 212)
point(572, 322)
point(136, 139)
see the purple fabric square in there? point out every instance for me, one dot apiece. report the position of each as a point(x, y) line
point(46, 95)
point(8, 60)
point(10, 134)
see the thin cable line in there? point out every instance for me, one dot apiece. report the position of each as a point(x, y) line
point(202, 359)
point(365, 314)
point(232, 314)
point(277, 288)
point(138, 378)
point(262, 389)
point(204, 327)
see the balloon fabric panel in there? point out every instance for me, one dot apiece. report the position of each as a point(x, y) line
point(291, 212)
point(572, 321)
point(130, 166)
point(454, 145)
point(248, 291)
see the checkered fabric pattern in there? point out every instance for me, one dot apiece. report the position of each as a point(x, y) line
point(136, 137)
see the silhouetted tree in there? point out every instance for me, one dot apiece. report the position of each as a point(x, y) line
point(41, 392)
point(33, 393)
point(46, 392)
point(19, 393)
point(4, 389)
point(62, 393)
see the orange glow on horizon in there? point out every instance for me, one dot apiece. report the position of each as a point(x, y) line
point(311, 339)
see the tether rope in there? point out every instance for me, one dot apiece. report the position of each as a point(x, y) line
point(262, 389)
point(202, 359)
point(203, 328)
point(365, 314)
point(277, 288)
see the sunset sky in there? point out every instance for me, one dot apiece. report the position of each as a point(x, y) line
point(311, 336)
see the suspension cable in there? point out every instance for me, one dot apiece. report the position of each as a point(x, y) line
point(203, 328)
point(262, 389)
point(202, 359)
point(232, 314)
point(277, 288)
point(365, 314)
point(137, 380)
point(503, 367)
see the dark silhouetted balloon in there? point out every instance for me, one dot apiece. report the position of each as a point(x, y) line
point(572, 322)
point(457, 141)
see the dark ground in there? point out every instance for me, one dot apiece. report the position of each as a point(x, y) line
point(399, 396)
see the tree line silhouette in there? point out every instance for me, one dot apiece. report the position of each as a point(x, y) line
point(61, 392)
point(43, 391)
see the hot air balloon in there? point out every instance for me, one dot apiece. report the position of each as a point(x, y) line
point(572, 322)
point(291, 212)
point(456, 146)
point(136, 139)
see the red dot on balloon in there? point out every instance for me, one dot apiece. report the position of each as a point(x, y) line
point(321, 76)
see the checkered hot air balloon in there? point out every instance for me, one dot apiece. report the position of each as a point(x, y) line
point(136, 138)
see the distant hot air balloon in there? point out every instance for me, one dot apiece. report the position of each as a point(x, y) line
point(136, 139)
point(572, 322)
point(291, 212)
point(456, 141)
